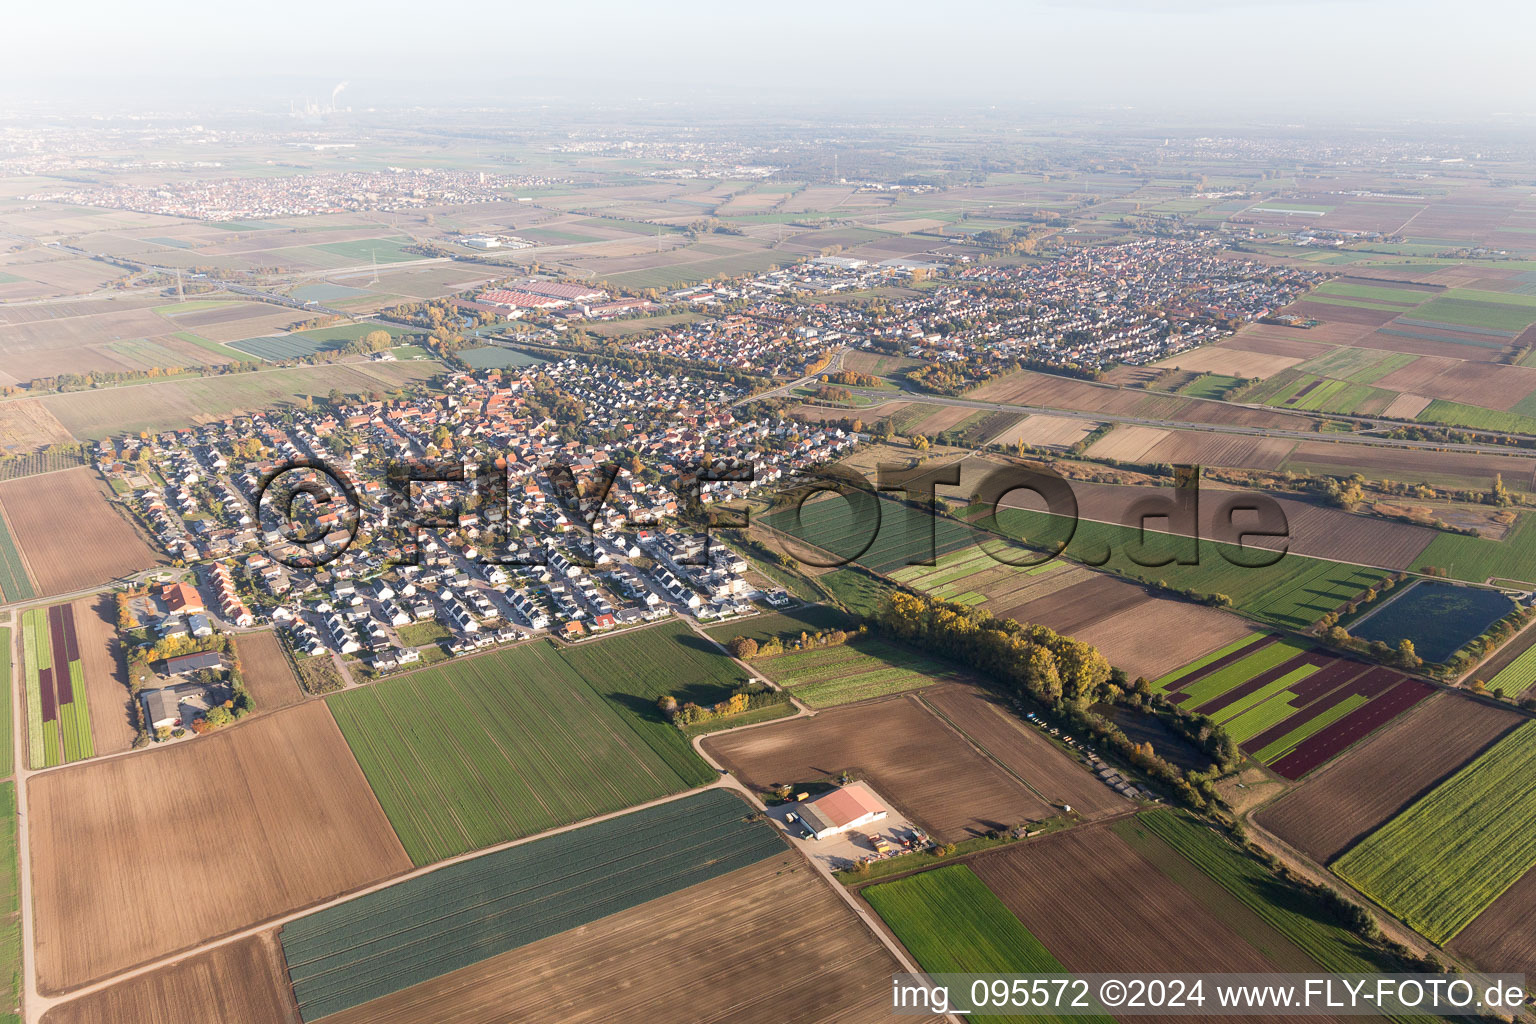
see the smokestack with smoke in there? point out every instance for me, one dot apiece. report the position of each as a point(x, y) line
point(337, 92)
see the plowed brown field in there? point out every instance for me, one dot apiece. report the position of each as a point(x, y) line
point(106, 688)
point(906, 753)
point(761, 945)
point(1369, 785)
point(268, 675)
point(239, 983)
point(1501, 938)
point(1020, 748)
point(140, 856)
point(69, 535)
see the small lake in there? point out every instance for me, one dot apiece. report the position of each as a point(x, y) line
point(1438, 617)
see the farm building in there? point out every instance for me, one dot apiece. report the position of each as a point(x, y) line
point(843, 809)
point(191, 663)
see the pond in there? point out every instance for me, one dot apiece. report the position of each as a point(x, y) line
point(1438, 617)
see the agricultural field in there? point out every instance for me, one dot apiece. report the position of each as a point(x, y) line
point(99, 543)
point(1047, 770)
point(166, 405)
point(14, 584)
point(1478, 560)
point(785, 626)
point(467, 912)
point(864, 667)
point(308, 343)
point(1518, 672)
point(893, 744)
point(101, 828)
point(952, 923)
point(106, 684)
point(58, 713)
point(10, 906)
point(482, 750)
point(49, 460)
point(25, 426)
point(265, 669)
point(1290, 707)
point(1282, 908)
point(1438, 618)
point(703, 947)
point(1441, 862)
point(237, 983)
point(1371, 783)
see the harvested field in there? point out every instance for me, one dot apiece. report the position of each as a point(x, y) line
point(893, 744)
point(1089, 897)
point(1286, 342)
point(1314, 530)
point(942, 418)
point(1406, 407)
point(1046, 432)
point(98, 545)
point(26, 424)
point(266, 671)
point(1232, 362)
point(238, 983)
point(271, 815)
point(106, 687)
point(703, 947)
point(1373, 782)
point(1128, 443)
point(1501, 937)
point(1160, 633)
point(1020, 748)
point(1038, 389)
point(1412, 466)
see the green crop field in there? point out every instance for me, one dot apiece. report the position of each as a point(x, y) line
point(864, 667)
point(1518, 675)
point(467, 912)
point(10, 905)
point(7, 754)
point(14, 585)
point(1462, 415)
point(1231, 676)
point(1499, 313)
point(1358, 365)
point(481, 750)
point(1162, 683)
point(1477, 559)
point(1210, 385)
point(1272, 752)
point(1441, 862)
point(858, 591)
point(953, 924)
point(58, 731)
point(1293, 592)
point(382, 250)
point(636, 668)
point(787, 626)
point(1390, 296)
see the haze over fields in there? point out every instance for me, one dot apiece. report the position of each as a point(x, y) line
point(684, 512)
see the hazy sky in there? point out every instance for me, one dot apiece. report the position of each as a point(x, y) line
point(1398, 58)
